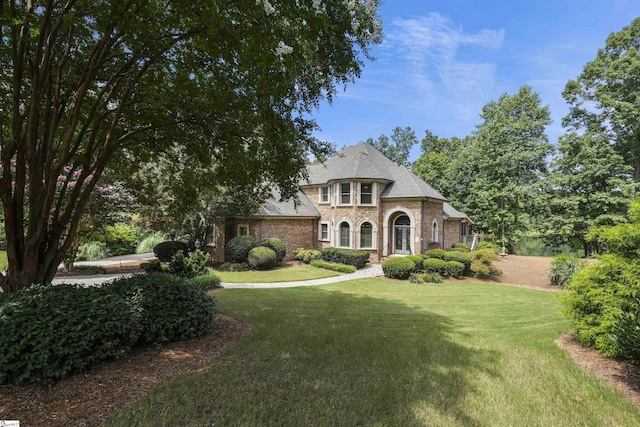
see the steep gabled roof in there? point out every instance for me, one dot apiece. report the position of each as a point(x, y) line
point(363, 161)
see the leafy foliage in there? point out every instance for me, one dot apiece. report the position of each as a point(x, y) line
point(225, 88)
point(153, 266)
point(398, 150)
point(425, 278)
point(455, 269)
point(278, 247)
point(120, 239)
point(237, 249)
point(482, 263)
point(462, 257)
point(461, 247)
point(436, 253)
point(208, 280)
point(435, 265)
point(333, 266)
point(262, 258)
point(165, 251)
point(398, 268)
point(149, 242)
point(357, 258)
point(190, 266)
point(91, 251)
point(234, 266)
point(306, 255)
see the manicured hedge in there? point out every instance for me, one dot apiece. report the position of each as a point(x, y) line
point(435, 265)
point(455, 269)
point(346, 256)
point(278, 247)
point(436, 253)
point(237, 249)
point(306, 255)
point(334, 266)
point(461, 247)
point(398, 268)
point(462, 257)
point(262, 258)
point(51, 332)
point(165, 251)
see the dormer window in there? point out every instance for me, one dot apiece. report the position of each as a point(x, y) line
point(345, 193)
point(366, 193)
point(324, 194)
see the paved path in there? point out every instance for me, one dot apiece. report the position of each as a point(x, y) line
point(374, 270)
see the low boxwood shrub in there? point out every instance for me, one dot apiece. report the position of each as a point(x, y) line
point(170, 308)
point(461, 247)
point(482, 263)
point(398, 268)
point(455, 269)
point(417, 260)
point(346, 256)
point(234, 266)
point(435, 265)
point(237, 249)
point(51, 332)
point(262, 258)
point(333, 266)
point(435, 253)
point(306, 255)
point(562, 268)
point(462, 257)
point(278, 247)
point(166, 250)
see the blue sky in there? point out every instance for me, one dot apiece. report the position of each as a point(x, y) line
point(442, 60)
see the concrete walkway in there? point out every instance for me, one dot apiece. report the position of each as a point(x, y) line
point(374, 270)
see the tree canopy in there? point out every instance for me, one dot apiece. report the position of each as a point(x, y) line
point(399, 147)
point(88, 85)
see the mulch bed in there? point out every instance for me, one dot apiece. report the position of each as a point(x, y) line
point(91, 398)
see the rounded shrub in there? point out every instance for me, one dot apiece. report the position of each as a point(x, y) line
point(262, 258)
point(435, 265)
point(398, 268)
point(278, 247)
point(436, 253)
point(461, 247)
point(165, 251)
point(51, 332)
point(462, 257)
point(237, 249)
point(417, 260)
point(455, 269)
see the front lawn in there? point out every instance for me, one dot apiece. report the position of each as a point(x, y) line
point(284, 274)
point(386, 353)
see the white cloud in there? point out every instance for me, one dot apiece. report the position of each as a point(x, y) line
point(429, 46)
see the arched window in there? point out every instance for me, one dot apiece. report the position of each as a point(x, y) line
point(434, 231)
point(366, 235)
point(345, 234)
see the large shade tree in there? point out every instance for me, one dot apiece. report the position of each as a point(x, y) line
point(398, 147)
point(86, 85)
point(604, 98)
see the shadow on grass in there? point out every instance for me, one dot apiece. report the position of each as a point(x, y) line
point(316, 357)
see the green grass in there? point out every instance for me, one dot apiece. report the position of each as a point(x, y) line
point(3, 260)
point(374, 352)
point(285, 274)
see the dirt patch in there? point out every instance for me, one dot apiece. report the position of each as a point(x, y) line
point(91, 398)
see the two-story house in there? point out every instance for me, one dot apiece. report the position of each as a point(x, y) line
point(358, 199)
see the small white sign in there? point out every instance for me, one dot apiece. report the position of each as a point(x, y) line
point(9, 423)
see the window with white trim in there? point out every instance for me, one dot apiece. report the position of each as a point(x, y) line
point(243, 229)
point(324, 195)
point(344, 238)
point(210, 236)
point(345, 193)
point(366, 193)
point(323, 232)
point(366, 235)
point(434, 231)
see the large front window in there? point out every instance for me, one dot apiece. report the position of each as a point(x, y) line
point(324, 194)
point(345, 193)
point(366, 235)
point(345, 235)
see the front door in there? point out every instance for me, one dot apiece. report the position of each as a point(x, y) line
point(402, 235)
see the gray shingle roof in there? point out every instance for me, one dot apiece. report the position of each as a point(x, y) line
point(274, 207)
point(363, 161)
point(449, 212)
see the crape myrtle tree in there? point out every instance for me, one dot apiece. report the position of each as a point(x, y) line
point(87, 85)
point(604, 98)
